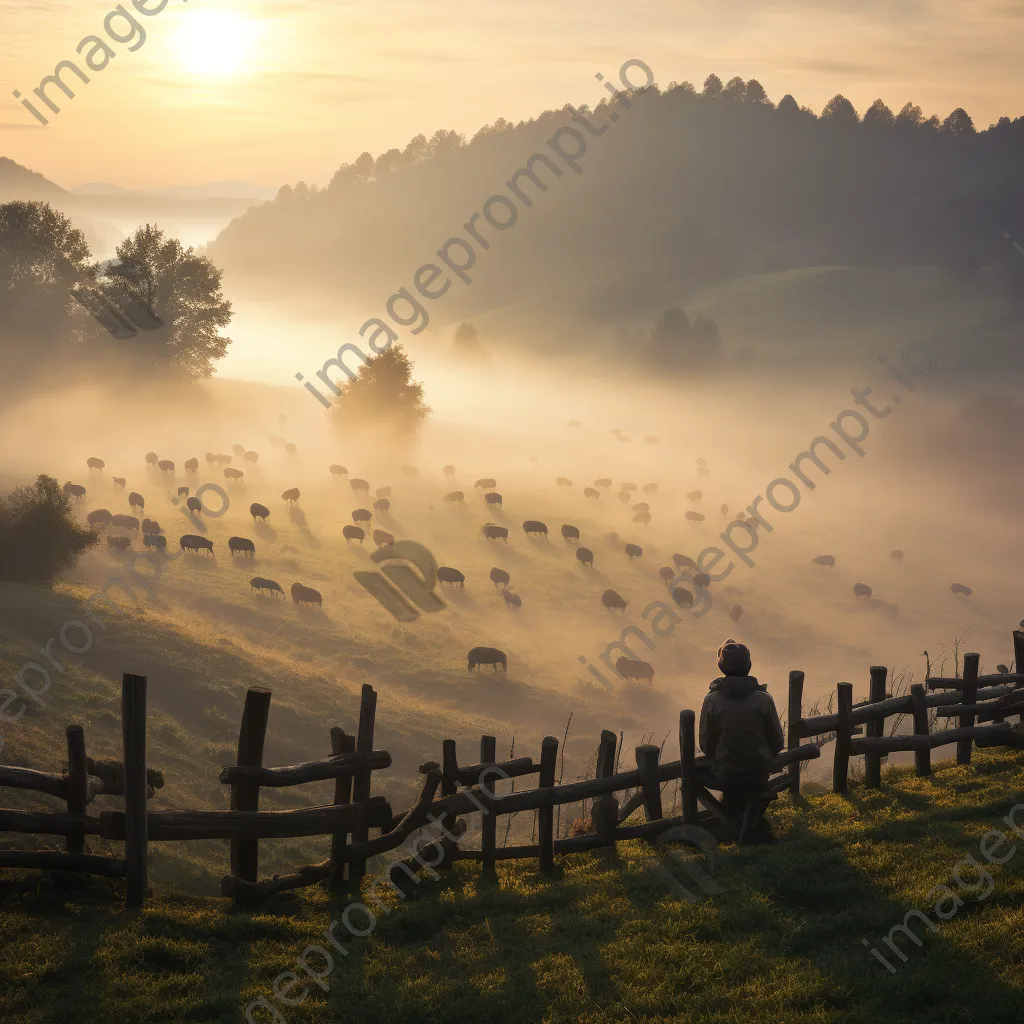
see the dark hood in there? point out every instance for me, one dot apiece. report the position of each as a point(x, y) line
point(735, 687)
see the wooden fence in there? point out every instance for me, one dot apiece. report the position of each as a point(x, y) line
point(451, 791)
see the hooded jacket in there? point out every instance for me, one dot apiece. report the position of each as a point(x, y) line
point(739, 726)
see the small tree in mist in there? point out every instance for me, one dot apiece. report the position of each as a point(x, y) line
point(467, 341)
point(676, 343)
point(383, 395)
point(39, 537)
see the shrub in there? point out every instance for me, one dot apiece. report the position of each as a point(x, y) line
point(39, 537)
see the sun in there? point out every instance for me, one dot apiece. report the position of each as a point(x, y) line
point(215, 44)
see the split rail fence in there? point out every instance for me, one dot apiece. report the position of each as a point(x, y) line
point(451, 791)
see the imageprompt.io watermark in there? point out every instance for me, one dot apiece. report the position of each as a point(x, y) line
point(122, 315)
point(402, 592)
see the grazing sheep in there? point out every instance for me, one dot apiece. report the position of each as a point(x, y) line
point(829, 560)
point(154, 540)
point(224, 460)
point(383, 539)
point(488, 656)
point(694, 517)
point(120, 483)
point(512, 600)
point(574, 423)
point(454, 497)
point(642, 517)
point(627, 487)
point(382, 505)
point(291, 448)
point(251, 457)
point(452, 577)
point(152, 458)
point(736, 612)
point(272, 587)
point(123, 522)
point(605, 481)
point(194, 505)
point(682, 597)
point(194, 544)
point(649, 488)
point(383, 492)
point(1002, 670)
point(623, 496)
point(76, 491)
point(410, 471)
point(277, 441)
point(615, 431)
point(563, 481)
point(291, 496)
point(95, 464)
point(306, 595)
point(630, 669)
point(650, 439)
point(613, 601)
point(233, 474)
point(150, 526)
point(634, 551)
point(499, 577)
point(685, 562)
point(486, 482)
point(183, 492)
point(101, 517)
point(591, 492)
point(136, 501)
point(353, 533)
point(570, 533)
point(119, 543)
point(448, 470)
point(666, 574)
point(494, 532)
point(359, 485)
point(493, 498)
point(725, 511)
point(861, 590)
point(337, 470)
point(702, 579)
point(210, 458)
point(241, 546)
point(238, 449)
point(361, 515)
point(585, 557)
point(192, 466)
point(534, 528)
point(260, 512)
point(695, 496)
point(896, 556)
point(612, 538)
point(641, 506)
point(702, 468)
point(165, 466)
point(959, 588)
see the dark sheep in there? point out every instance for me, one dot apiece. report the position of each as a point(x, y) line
point(123, 522)
point(272, 587)
point(194, 544)
point(337, 470)
point(486, 482)
point(194, 505)
point(251, 457)
point(238, 449)
point(634, 551)
point(183, 492)
point(120, 483)
point(591, 492)
point(260, 512)
point(152, 458)
point(359, 485)
point(499, 577)
point(570, 533)
point(192, 466)
point(702, 579)
point(513, 601)
point(861, 590)
point(649, 488)
point(682, 597)
point(493, 532)
point(563, 481)
point(362, 515)
point(383, 539)
point(642, 517)
point(291, 448)
point(493, 498)
point(896, 556)
point(685, 562)
point(119, 543)
point(695, 496)
point(101, 517)
point(630, 669)
point(605, 481)
point(306, 595)
point(241, 546)
point(210, 458)
point(829, 560)
point(666, 573)
point(736, 612)
point(641, 506)
point(353, 533)
point(136, 501)
point(233, 474)
point(291, 496)
point(627, 487)
point(725, 510)
point(454, 497)
point(383, 492)
point(448, 471)
point(613, 601)
point(452, 577)
point(165, 466)
point(694, 517)
point(96, 464)
point(150, 526)
point(488, 656)
point(154, 540)
point(624, 496)
point(223, 460)
point(534, 528)
point(959, 588)
point(382, 505)
point(585, 556)
point(76, 491)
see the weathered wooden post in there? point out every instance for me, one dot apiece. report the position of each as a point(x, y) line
point(687, 771)
point(245, 796)
point(794, 718)
point(361, 780)
point(647, 761)
point(136, 825)
point(78, 785)
point(875, 727)
point(922, 756)
point(844, 729)
point(341, 743)
point(970, 696)
point(604, 811)
point(488, 819)
point(546, 814)
point(1018, 658)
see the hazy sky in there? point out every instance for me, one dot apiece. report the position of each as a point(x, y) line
point(281, 90)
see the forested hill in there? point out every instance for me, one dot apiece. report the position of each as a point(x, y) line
point(683, 188)
point(17, 182)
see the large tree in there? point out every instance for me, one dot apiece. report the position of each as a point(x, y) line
point(382, 396)
point(183, 290)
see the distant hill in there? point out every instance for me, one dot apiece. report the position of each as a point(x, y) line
point(17, 182)
point(213, 190)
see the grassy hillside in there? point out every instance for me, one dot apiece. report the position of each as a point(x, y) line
point(601, 941)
